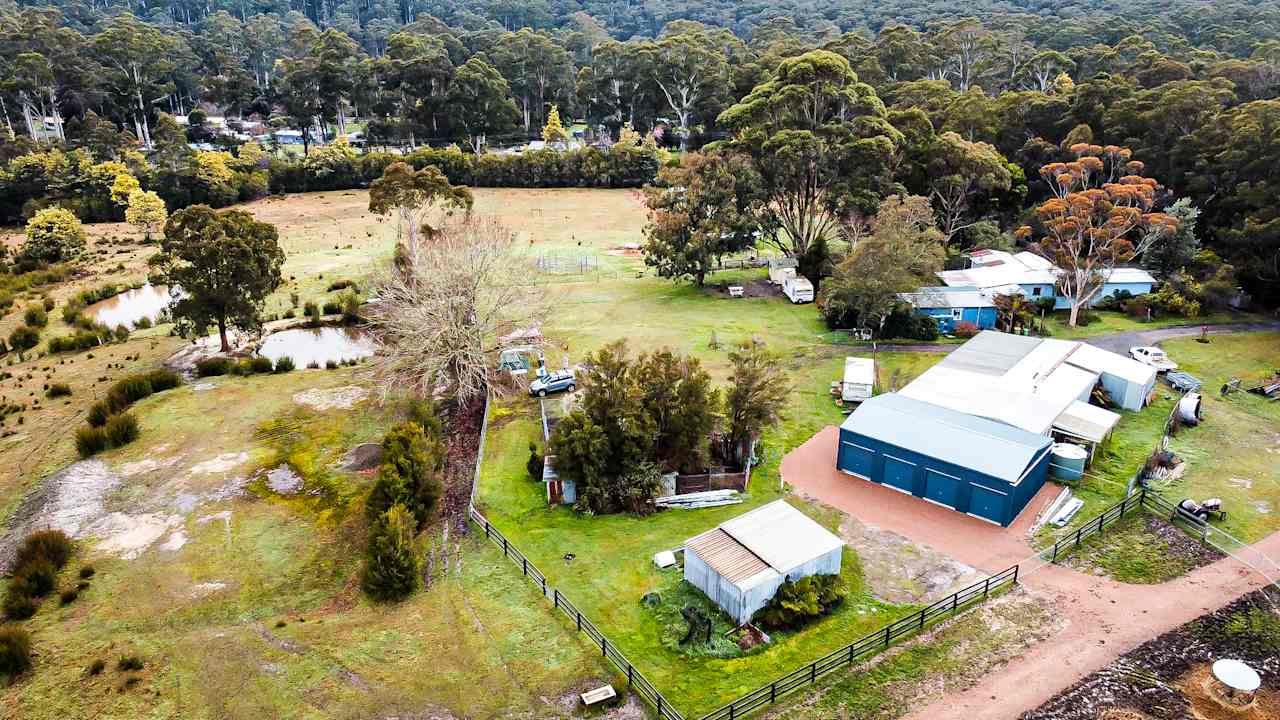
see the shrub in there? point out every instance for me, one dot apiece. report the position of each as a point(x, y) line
point(53, 235)
point(260, 364)
point(18, 603)
point(535, 462)
point(350, 309)
point(284, 364)
point(210, 367)
point(51, 546)
point(48, 303)
point(795, 603)
point(35, 316)
point(96, 667)
point(57, 390)
point(392, 565)
point(341, 285)
point(98, 414)
point(129, 663)
point(411, 473)
point(38, 575)
point(15, 651)
point(312, 312)
point(121, 333)
point(330, 365)
point(66, 597)
point(965, 330)
point(90, 440)
point(243, 367)
point(80, 340)
point(162, 380)
point(87, 572)
point(313, 365)
point(128, 390)
point(121, 430)
point(142, 323)
point(24, 338)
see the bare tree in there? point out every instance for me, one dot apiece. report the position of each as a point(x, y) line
point(445, 304)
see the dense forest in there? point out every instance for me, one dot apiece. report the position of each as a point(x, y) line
point(1190, 87)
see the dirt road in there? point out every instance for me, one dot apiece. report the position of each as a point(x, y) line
point(1105, 618)
point(1115, 342)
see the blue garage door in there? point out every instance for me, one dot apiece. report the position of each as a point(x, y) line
point(900, 474)
point(987, 503)
point(855, 459)
point(942, 488)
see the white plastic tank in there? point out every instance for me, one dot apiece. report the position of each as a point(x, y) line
point(1067, 462)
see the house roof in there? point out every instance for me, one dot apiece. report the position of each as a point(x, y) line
point(1099, 361)
point(1130, 275)
point(946, 297)
point(771, 540)
point(996, 269)
point(986, 446)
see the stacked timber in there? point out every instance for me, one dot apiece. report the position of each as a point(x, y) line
point(706, 499)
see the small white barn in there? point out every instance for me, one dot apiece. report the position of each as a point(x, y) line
point(743, 562)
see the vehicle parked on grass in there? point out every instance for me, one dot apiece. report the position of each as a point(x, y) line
point(798, 289)
point(551, 382)
point(1153, 356)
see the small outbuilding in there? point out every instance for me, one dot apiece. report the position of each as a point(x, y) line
point(971, 464)
point(743, 562)
point(950, 306)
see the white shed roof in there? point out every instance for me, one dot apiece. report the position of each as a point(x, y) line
point(1100, 361)
point(781, 535)
point(1086, 421)
point(860, 370)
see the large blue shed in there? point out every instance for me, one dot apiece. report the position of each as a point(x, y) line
point(970, 464)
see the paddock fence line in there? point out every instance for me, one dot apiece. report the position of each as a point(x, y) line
point(867, 646)
point(1105, 519)
point(1216, 538)
point(636, 680)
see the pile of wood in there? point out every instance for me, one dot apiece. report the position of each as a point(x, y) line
point(693, 501)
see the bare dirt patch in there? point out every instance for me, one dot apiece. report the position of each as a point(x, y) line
point(899, 571)
point(344, 397)
point(365, 456)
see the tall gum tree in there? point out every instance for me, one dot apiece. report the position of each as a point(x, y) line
point(1100, 216)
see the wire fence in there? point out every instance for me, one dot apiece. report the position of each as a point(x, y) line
point(636, 680)
point(868, 645)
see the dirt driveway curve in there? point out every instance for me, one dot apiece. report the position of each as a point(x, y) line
point(1105, 618)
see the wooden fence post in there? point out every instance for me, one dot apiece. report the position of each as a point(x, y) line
point(604, 646)
point(986, 587)
point(504, 547)
point(886, 635)
point(1015, 574)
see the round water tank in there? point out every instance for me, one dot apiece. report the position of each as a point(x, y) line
point(1068, 461)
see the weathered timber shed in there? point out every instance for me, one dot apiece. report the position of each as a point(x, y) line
point(971, 464)
point(743, 562)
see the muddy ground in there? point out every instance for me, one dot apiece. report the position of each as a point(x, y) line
point(900, 571)
point(1163, 679)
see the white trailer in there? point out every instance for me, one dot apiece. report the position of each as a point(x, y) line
point(859, 379)
point(798, 289)
point(781, 268)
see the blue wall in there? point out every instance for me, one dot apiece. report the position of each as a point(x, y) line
point(984, 318)
point(1107, 289)
point(1001, 506)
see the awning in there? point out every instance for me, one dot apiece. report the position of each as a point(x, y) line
point(1085, 421)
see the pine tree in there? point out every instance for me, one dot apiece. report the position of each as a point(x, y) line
point(392, 565)
point(553, 131)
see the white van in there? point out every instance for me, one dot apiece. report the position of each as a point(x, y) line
point(859, 379)
point(798, 289)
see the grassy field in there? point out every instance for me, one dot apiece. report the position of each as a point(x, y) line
point(1114, 322)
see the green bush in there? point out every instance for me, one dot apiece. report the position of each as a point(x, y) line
point(350, 308)
point(121, 333)
point(15, 651)
point(96, 667)
point(142, 323)
point(90, 440)
point(392, 565)
point(24, 338)
point(80, 340)
point(129, 390)
point(210, 367)
point(331, 308)
point(411, 473)
point(260, 364)
point(162, 380)
point(129, 663)
point(51, 546)
point(796, 603)
point(535, 462)
point(121, 430)
point(98, 414)
point(19, 605)
point(48, 303)
point(312, 312)
point(66, 597)
point(57, 390)
point(39, 576)
point(284, 364)
point(35, 316)
point(87, 572)
point(341, 285)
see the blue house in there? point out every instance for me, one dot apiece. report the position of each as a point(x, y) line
point(973, 465)
point(996, 271)
point(950, 306)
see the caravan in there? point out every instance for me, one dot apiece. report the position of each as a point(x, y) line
point(798, 289)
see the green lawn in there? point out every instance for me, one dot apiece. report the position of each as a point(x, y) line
point(1114, 322)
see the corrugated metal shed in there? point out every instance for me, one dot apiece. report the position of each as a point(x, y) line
point(1099, 361)
point(1086, 421)
point(728, 557)
point(946, 298)
point(990, 353)
point(781, 536)
point(988, 447)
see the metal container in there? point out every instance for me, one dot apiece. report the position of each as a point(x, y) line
point(1067, 463)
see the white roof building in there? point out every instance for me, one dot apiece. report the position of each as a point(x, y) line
point(999, 272)
point(743, 562)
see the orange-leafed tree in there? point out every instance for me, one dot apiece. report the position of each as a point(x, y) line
point(1100, 216)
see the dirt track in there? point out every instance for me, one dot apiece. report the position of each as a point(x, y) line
point(1105, 619)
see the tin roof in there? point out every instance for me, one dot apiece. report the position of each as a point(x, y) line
point(771, 540)
point(928, 297)
point(1097, 360)
point(1086, 421)
point(986, 446)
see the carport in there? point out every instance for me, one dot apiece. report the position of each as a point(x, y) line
point(966, 463)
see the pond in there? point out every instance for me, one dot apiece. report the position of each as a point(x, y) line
point(317, 345)
point(127, 308)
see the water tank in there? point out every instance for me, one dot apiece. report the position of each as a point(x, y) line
point(1067, 463)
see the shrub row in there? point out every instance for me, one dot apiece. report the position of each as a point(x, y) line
point(108, 425)
point(35, 574)
point(256, 365)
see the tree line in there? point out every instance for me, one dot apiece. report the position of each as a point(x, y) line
point(1192, 93)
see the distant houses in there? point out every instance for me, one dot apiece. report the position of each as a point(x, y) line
point(966, 295)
